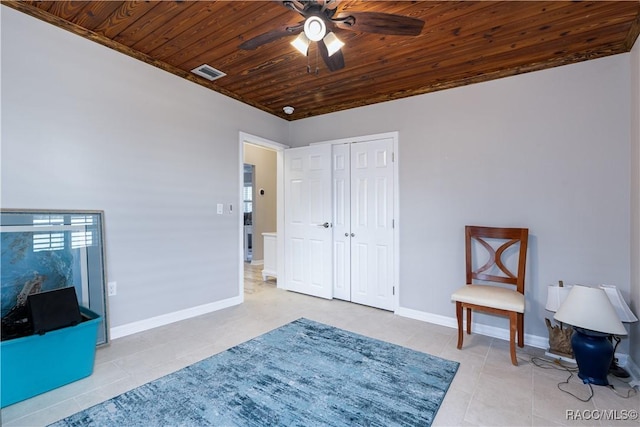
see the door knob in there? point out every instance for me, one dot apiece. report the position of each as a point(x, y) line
point(346, 234)
point(325, 225)
point(353, 235)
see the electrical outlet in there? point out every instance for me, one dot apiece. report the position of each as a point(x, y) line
point(112, 288)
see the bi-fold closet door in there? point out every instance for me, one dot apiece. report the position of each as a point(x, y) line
point(363, 221)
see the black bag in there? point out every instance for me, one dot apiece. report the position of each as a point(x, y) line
point(53, 310)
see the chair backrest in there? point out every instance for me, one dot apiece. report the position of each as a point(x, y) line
point(495, 264)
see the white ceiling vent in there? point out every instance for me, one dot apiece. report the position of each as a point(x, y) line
point(208, 72)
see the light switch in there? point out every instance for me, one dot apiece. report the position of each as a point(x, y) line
point(220, 209)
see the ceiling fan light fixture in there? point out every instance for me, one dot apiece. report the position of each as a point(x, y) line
point(333, 43)
point(301, 43)
point(315, 28)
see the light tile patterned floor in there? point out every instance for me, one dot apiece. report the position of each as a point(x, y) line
point(487, 389)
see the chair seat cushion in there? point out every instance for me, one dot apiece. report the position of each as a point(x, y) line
point(490, 296)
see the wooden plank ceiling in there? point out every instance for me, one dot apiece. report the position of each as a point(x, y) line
point(461, 43)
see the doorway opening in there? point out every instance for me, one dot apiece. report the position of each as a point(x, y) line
point(261, 199)
point(248, 195)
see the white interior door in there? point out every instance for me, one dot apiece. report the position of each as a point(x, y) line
point(307, 216)
point(363, 222)
point(341, 178)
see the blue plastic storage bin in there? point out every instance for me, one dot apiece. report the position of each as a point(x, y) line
point(38, 363)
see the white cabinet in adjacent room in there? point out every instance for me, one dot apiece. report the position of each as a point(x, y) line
point(270, 266)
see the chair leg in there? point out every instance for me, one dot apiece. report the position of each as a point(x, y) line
point(520, 329)
point(513, 320)
point(459, 317)
point(468, 321)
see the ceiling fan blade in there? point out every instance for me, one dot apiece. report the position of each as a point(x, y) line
point(330, 4)
point(379, 23)
point(272, 35)
point(334, 62)
point(295, 5)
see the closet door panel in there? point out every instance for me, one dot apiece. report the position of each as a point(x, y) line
point(371, 223)
point(341, 178)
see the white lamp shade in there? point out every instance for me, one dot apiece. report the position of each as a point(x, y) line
point(622, 309)
point(301, 43)
point(590, 308)
point(556, 296)
point(333, 43)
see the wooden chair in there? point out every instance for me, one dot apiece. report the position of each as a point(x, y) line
point(496, 299)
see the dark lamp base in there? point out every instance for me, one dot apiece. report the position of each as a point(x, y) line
point(594, 354)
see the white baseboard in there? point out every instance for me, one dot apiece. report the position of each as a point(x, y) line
point(427, 317)
point(165, 319)
point(257, 262)
point(632, 368)
point(491, 331)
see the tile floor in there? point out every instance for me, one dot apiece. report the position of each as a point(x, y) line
point(487, 389)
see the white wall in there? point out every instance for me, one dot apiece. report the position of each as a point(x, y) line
point(546, 150)
point(88, 128)
point(635, 201)
point(85, 127)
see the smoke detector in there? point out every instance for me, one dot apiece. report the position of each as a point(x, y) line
point(288, 109)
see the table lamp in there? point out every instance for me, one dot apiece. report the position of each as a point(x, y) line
point(625, 315)
point(594, 319)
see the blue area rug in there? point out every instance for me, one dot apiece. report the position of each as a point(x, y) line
point(302, 374)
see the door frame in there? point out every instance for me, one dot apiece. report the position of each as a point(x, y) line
point(396, 202)
point(279, 148)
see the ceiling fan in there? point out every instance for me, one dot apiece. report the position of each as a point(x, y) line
point(320, 22)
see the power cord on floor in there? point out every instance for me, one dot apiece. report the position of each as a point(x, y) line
point(557, 364)
point(630, 392)
point(568, 392)
point(543, 363)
